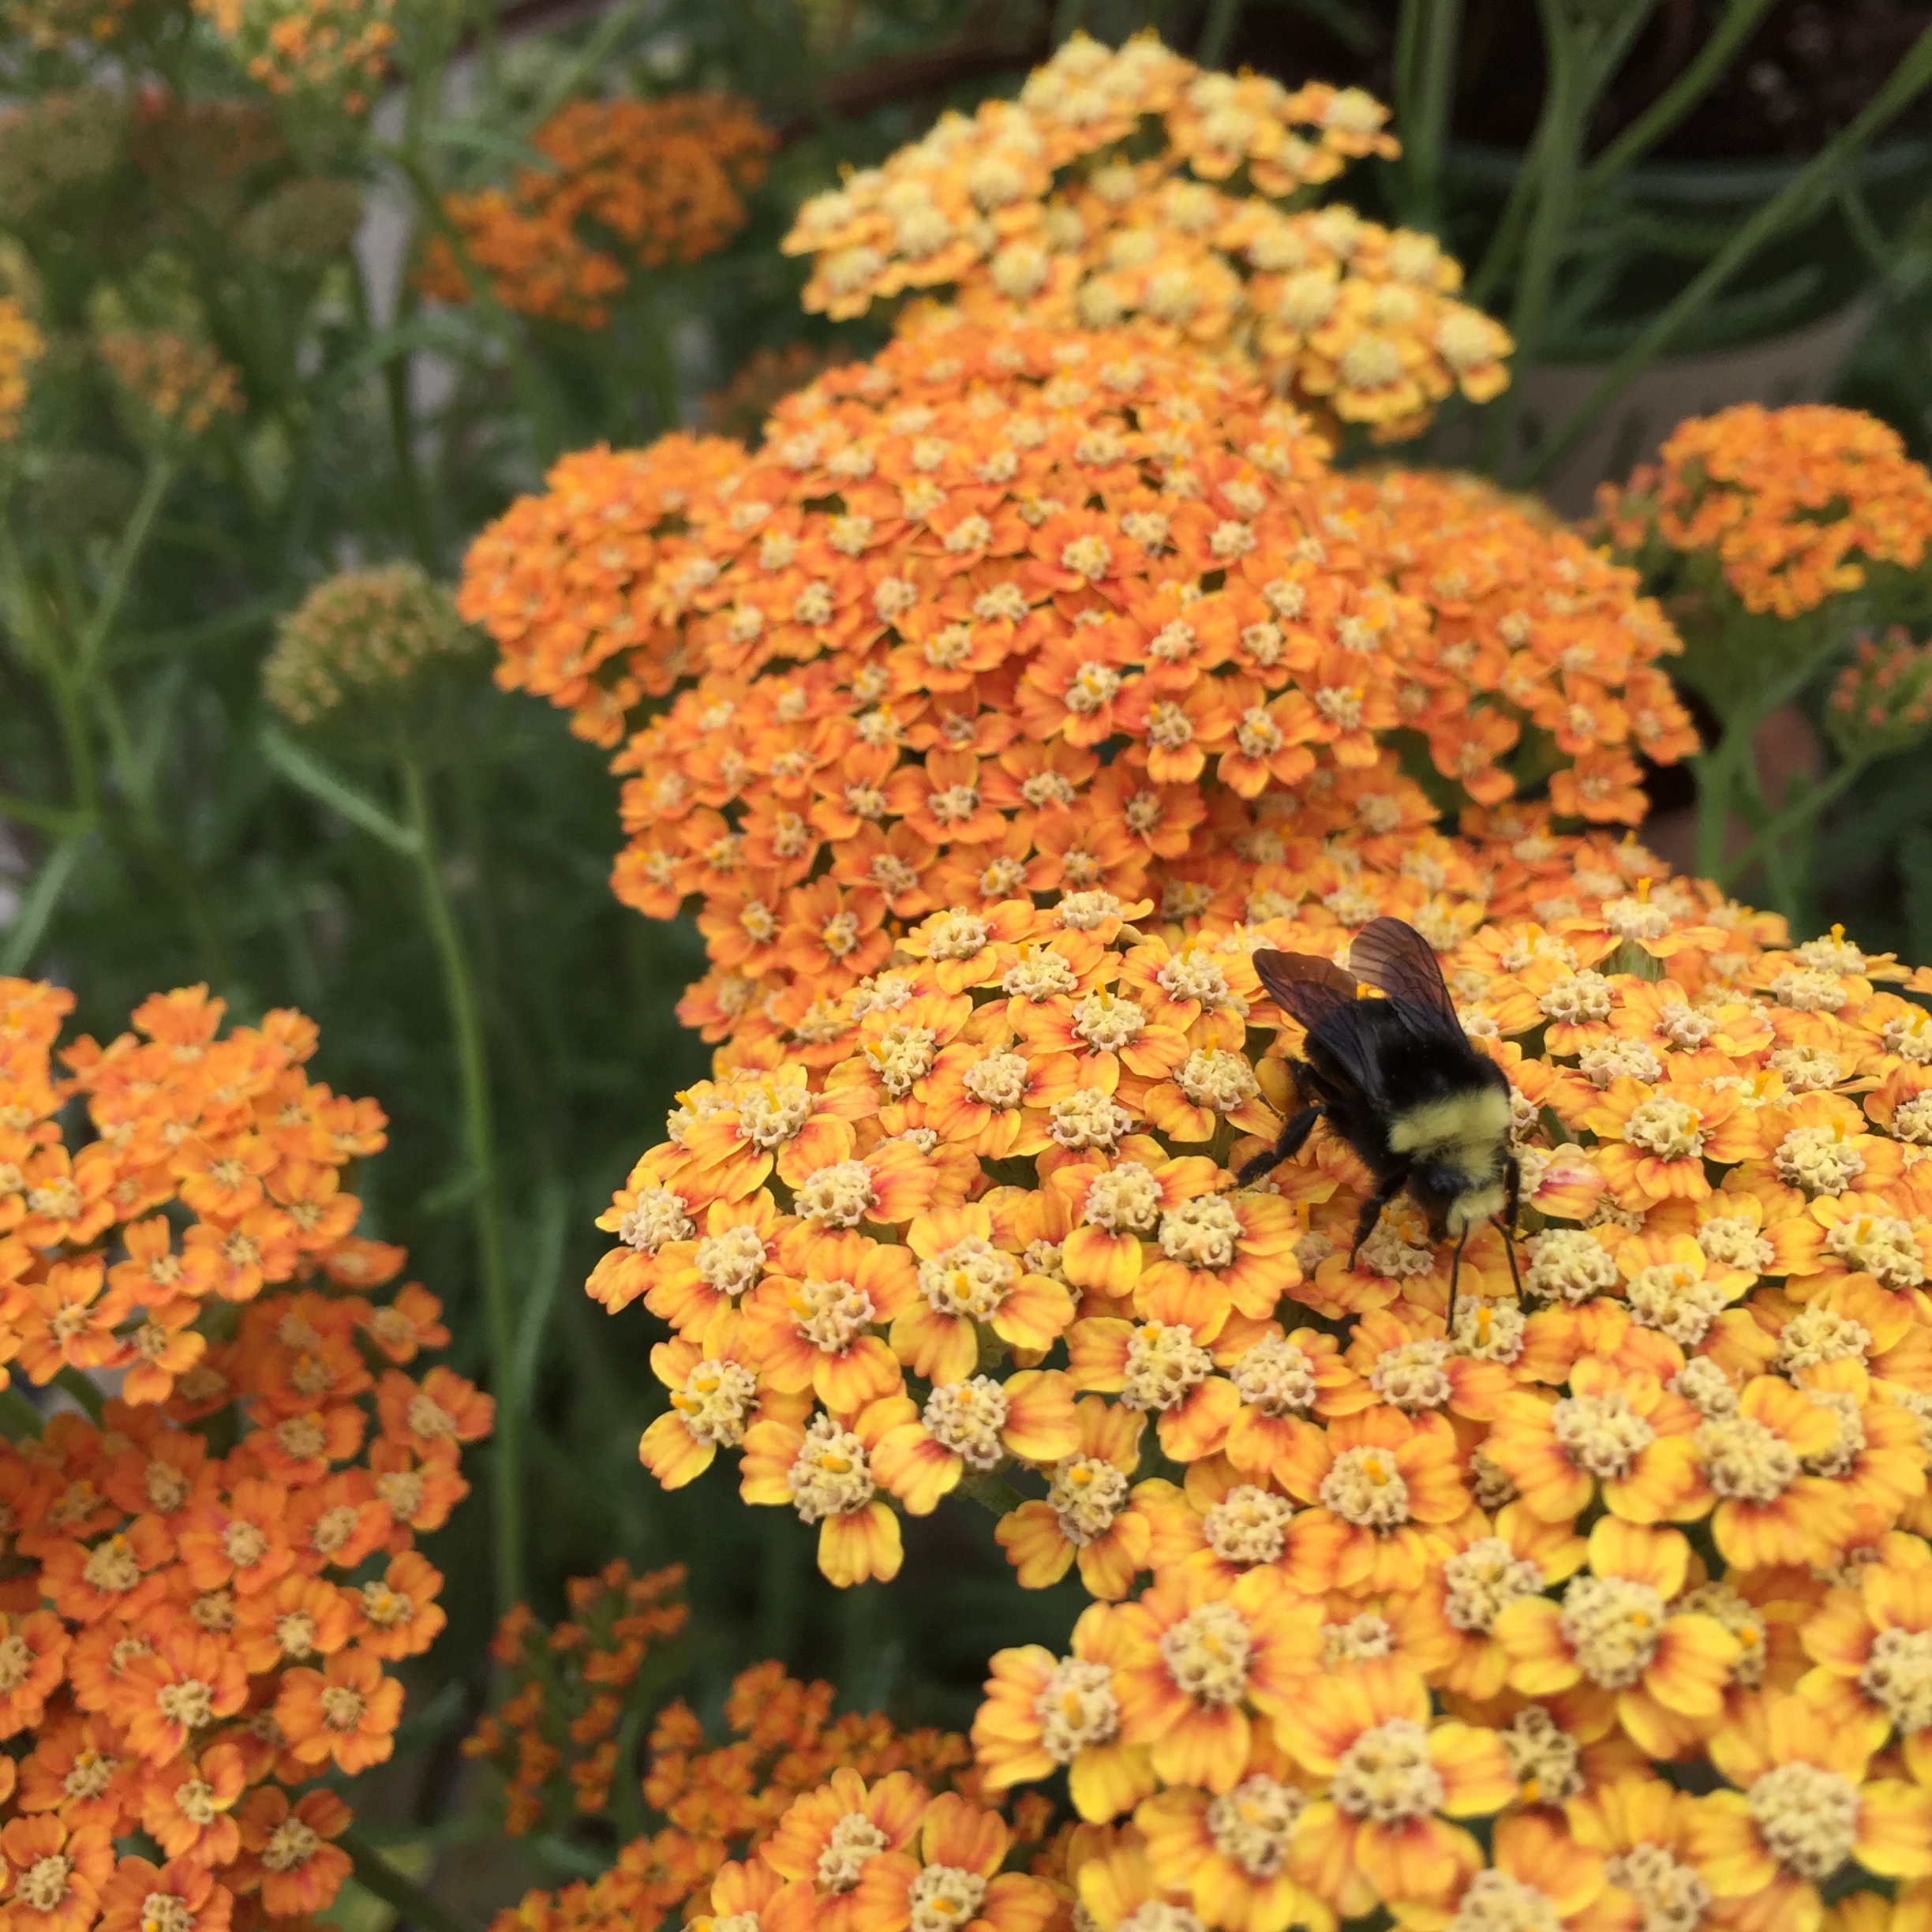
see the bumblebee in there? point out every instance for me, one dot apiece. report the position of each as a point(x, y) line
point(1398, 1080)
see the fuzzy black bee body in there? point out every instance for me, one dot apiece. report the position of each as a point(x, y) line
point(1426, 1111)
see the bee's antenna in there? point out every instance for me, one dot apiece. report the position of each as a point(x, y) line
point(1509, 1248)
point(1507, 1220)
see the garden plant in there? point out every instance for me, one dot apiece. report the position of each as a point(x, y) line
point(763, 655)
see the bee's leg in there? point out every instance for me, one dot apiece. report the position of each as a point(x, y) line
point(1295, 1131)
point(1512, 1206)
point(1455, 1272)
point(1371, 1210)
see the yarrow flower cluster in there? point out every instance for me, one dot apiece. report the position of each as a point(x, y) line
point(21, 347)
point(1360, 1579)
point(1021, 685)
point(55, 23)
point(800, 1819)
point(1133, 185)
point(1881, 700)
point(665, 178)
point(331, 49)
point(179, 387)
point(555, 1730)
point(1006, 612)
point(1794, 506)
point(192, 1637)
point(358, 635)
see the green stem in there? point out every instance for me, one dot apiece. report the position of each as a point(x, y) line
point(150, 841)
point(127, 554)
point(37, 907)
point(543, 1273)
point(321, 780)
point(480, 1149)
point(991, 1492)
point(1430, 32)
point(1740, 21)
point(1791, 204)
point(535, 395)
point(658, 1672)
point(375, 1873)
point(1558, 144)
point(176, 643)
point(1223, 16)
point(1793, 818)
point(75, 739)
point(396, 377)
point(859, 1649)
point(1713, 807)
point(593, 59)
point(44, 654)
point(626, 1796)
point(1612, 42)
point(19, 1420)
point(83, 1392)
point(784, 1563)
point(57, 821)
point(1608, 42)
point(489, 43)
point(72, 676)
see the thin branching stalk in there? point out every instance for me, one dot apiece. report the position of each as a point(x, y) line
point(1217, 31)
point(1559, 145)
point(1796, 200)
point(127, 554)
point(1739, 22)
point(479, 1140)
point(1792, 822)
point(1429, 35)
point(414, 1905)
point(19, 1420)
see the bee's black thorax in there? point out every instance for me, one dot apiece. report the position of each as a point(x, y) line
point(1436, 1112)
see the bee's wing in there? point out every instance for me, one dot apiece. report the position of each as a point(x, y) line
point(1391, 954)
point(1309, 988)
point(1322, 997)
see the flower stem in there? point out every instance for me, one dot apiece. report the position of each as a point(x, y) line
point(1223, 16)
point(89, 1397)
point(127, 553)
point(1430, 38)
point(990, 1491)
point(1800, 197)
point(39, 903)
point(19, 1420)
point(1784, 824)
point(1740, 21)
point(375, 1873)
point(479, 1148)
point(1558, 144)
point(1713, 806)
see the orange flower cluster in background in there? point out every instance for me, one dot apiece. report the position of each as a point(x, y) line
point(554, 1736)
point(1005, 611)
point(631, 185)
point(1881, 700)
point(1793, 506)
point(20, 346)
point(179, 387)
point(1133, 184)
point(54, 23)
point(1364, 1579)
point(783, 1821)
point(192, 1635)
point(336, 49)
